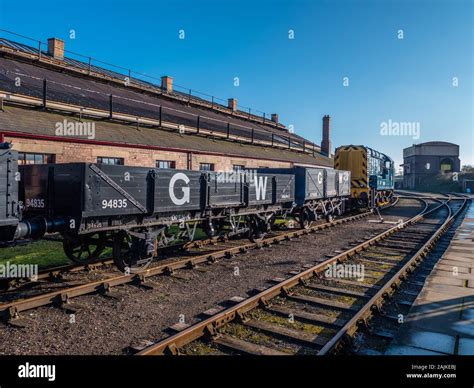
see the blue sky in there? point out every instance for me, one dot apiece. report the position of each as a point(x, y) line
point(407, 80)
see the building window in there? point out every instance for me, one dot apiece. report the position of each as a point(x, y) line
point(108, 160)
point(31, 158)
point(238, 167)
point(446, 166)
point(165, 164)
point(206, 166)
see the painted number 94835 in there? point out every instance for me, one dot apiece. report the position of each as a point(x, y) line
point(38, 203)
point(114, 204)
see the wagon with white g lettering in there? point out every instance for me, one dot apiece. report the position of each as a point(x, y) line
point(99, 205)
point(316, 193)
point(137, 210)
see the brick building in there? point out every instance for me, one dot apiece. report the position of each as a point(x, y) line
point(422, 162)
point(57, 109)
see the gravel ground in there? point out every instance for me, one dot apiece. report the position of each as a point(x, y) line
point(109, 325)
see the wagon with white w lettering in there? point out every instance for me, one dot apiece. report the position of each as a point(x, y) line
point(316, 193)
point(245, 201)
point(268, 195)
point(137, 210)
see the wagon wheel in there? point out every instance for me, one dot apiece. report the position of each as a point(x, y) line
point(219, 226)
point(127, 253)
point(272, 223)
point(209, 229)
point(256, 231)
point(256, 235)
point(340, 209)
point(84, 249)
point(304, 220)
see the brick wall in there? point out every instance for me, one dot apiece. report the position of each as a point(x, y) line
point(76, 152)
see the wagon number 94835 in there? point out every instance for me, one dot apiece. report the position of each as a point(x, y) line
point(114, 204)
point(35, 202)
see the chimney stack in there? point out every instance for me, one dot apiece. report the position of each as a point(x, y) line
point(167, 83)
point(232, 104)
point(275, 118)
point(56, 48)
point(326, 142)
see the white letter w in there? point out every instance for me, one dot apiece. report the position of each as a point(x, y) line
point(260, 187)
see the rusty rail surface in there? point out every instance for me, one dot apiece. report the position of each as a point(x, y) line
point(209, 327)
point(62, 297)
point(392, 284)
point(58, 271)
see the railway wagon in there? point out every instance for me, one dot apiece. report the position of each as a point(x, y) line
point(136, 210)
point(133, 208)
point(320, 192)
point(9, 210)
point(372, 174)
point(246, 200)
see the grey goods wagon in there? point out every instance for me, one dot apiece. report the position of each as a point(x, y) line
point(320, 192)
point(135, 210)
point(132, 208)
point(9, 214)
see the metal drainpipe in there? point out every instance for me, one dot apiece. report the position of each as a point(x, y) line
point(189, 156)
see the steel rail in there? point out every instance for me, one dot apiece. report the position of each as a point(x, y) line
point(208, 326)
point(392, 284)
point(55, 272)
point(12, 309)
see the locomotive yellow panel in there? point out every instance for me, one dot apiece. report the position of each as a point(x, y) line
point(354, 159)
point(371, 174)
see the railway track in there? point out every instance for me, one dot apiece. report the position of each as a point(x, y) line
point(382, 328)
point(311, 312)
point(191, 248)
point(61, 298)
point(57, 273)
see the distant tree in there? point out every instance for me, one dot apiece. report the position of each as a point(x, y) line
point(467, 168)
